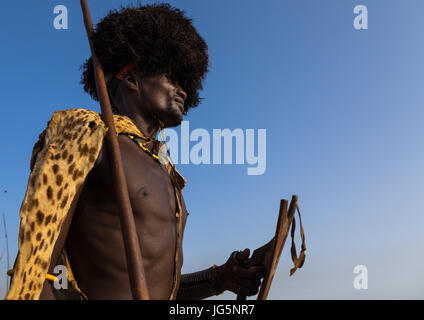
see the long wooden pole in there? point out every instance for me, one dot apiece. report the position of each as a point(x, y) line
point(285, 220)
point(129, 232)
point(7, 249)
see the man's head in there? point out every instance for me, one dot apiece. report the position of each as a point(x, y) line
point(151, 97)
point(165, 55)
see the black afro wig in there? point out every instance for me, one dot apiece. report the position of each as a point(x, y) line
point(158, 39)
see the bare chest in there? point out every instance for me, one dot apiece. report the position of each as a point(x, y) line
point(96, 229)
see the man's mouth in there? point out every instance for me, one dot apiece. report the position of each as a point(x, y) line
point(180, 102)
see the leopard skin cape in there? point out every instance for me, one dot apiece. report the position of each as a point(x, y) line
point(61, 159)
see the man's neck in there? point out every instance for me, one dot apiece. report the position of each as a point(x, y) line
point(149, 127)
point(144, 122)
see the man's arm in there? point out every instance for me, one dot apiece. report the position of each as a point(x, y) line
point(235, 275)
point(199, 285)
point(48, 292)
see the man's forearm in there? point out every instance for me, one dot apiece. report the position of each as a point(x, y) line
point(200, 285)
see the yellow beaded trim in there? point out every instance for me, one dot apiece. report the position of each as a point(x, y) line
point(142, 146)
point(48, 276)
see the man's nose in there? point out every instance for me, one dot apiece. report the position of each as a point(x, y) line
point(181, 93)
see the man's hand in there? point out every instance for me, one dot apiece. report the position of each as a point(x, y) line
point(263, 255)
point(239, 276)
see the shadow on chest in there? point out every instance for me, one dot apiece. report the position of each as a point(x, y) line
point(149, 185)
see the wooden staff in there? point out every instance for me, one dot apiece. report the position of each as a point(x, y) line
point(129, 232)
point(285, 219)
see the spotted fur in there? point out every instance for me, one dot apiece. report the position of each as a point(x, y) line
point(61, 159)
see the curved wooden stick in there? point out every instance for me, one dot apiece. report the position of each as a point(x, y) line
point(285, 219)
point(132, 248)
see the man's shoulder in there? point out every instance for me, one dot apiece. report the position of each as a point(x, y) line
point(69, 127)
point(75, 111)
point(75, 115)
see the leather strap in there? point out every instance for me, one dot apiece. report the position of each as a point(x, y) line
point(298, 261)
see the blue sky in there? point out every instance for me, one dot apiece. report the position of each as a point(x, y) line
point(343, 114)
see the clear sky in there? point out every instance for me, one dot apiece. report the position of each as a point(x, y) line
point(343, 113)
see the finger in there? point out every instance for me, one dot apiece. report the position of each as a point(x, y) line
point(253, 291)
point(260, 271)
point(245, 291)
point(252, 285)
point(240, 290)
point(245, 283)
point(250, 272)
point(243, 255)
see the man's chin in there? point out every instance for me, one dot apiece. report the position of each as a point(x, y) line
point(173, 121)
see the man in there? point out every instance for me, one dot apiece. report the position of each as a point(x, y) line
point(154, 62)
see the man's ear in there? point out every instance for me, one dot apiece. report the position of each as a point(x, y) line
point(131, 81)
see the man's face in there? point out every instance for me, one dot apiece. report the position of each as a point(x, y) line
point(163, 99)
